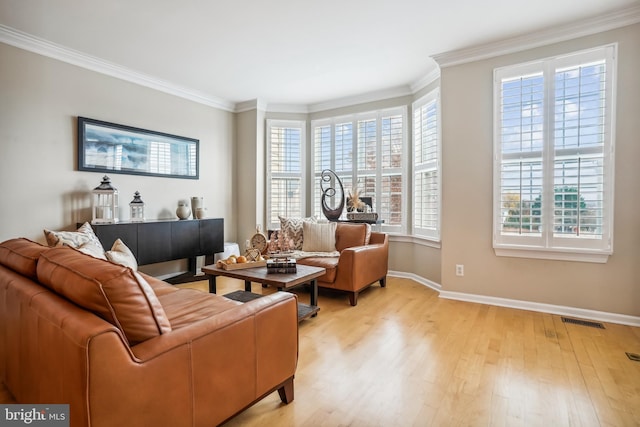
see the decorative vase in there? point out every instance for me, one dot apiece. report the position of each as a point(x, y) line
point(183, 211)
point(196, 203)
point(201, 213)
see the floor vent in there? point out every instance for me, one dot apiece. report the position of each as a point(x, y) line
point(633, 356)
point(583, 322)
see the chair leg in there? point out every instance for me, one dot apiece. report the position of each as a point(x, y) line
point(383, 282)
point(353, 298)
point(286, 391)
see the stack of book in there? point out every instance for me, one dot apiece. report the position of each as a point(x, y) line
point(281, 265)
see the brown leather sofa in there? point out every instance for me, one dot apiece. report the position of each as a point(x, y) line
point(123, 348)
point(363, 260)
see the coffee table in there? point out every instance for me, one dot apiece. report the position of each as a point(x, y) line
point(304, 274)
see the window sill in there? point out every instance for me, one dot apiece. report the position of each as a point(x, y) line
point(418, 240)
point(555, 255)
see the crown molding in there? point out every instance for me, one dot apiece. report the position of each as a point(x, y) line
point(252, 104)
point(586, 27)
point(421, 83)
point(46, 48)
point(349, 101)
point(288, 108)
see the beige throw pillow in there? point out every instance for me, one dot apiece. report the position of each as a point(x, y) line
point(121, 254)
point(319, 237)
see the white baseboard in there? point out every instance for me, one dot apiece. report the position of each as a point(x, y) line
point(426, 282)
point(561, 310)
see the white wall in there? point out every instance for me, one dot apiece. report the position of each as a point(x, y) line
point(466, 92)
point(40, 186)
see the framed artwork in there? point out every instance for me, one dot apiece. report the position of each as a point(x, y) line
point(113, 148)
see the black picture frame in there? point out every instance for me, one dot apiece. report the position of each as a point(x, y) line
point(113, 148)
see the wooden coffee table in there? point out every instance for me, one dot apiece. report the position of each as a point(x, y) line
point(304, 274)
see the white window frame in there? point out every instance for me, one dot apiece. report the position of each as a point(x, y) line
point(291, 124)
point(432, 97)
point(378, 115)
point(545, 245)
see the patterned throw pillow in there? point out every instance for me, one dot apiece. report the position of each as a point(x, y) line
point(83, 239)
point(121, 254)
point(292, 229)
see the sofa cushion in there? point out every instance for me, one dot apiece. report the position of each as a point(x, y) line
point(187, 306)
point(118, 294)
point(121, 254)
point(319, 237)
point(83, 239)
point(349, 235)
point(293, 230)
point(21, 255)
point(328, 263)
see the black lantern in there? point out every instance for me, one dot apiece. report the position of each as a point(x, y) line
point(136, 207)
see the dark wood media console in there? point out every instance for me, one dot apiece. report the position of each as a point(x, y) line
point(159, 241)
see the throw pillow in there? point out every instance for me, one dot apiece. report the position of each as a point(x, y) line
point(292, 229)
point(367, 236)
point(83, 239)
point(319, 237)
point(121, 254)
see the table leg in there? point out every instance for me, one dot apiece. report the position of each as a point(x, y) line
point(314, 295)
point(247, 285)
point(212, 284)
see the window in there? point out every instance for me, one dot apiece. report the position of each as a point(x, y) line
point(367, 152)
point(553, 168)
point(426, 167)
point(285, 178)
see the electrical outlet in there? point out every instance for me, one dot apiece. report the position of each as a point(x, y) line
point(459, 270)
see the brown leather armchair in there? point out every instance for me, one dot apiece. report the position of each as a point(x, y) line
point(361, 263)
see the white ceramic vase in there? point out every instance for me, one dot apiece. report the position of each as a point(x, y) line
point(196, 203)
point(183, 211)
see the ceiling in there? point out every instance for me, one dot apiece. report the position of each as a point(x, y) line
point(286, 51)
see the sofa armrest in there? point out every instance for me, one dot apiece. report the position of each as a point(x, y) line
point(223, 363)
point(359, 266)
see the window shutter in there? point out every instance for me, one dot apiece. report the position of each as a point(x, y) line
point(285, 189)
point(366, 150)
point(554, 156)
point(521, 151)
point(391, 199)
point(579, 143)
point(426, 174)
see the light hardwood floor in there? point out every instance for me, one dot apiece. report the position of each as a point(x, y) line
point(404, 357)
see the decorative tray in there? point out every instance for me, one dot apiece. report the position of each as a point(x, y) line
point(363, 216)
point(241, 265)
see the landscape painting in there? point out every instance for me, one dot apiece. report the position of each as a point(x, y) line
point(114, 148)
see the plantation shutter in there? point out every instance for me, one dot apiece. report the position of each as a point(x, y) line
point(426, 179)
point(579, 149)
point(554, 155)
point(367, 152)
point(391, 199)
point(285, 180)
